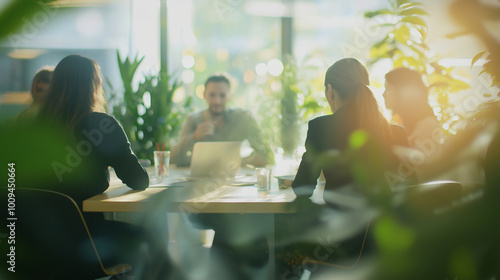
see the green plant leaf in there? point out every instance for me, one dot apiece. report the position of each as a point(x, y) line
point(414, 20)
point(413, 11)
point(381, 50)
point(402, 34)
point(415, 48)
point(134, 65)
point(381, 42)
point(391, 236)
point(378, 13)
point(423, 32)
point(15, 14)
point(358, 139)
point(408, 5)
point(400, 3)
point(477, 57)
point(295, 88)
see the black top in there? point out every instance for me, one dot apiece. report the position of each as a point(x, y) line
point(110, 147)
point(329, 135)
point(48, 157)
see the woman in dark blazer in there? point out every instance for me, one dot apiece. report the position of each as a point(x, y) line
point(330, 144)
point(75, 142)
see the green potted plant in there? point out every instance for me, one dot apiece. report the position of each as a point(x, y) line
point(149, 115)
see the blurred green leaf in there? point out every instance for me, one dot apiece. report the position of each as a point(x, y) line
point(463, 264)
point(358, 139)
point(402, 34)
point(423, 32)
point(16, 14)
point(295, 88)
point(381, 51)
point(400, 3)
point(392, 237)
point(477, 57)
point(378, 13)
point(413, 11)
point(414, 20)
point(409, 5)
point(415, 48)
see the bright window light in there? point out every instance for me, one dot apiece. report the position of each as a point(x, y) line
point(275, 67)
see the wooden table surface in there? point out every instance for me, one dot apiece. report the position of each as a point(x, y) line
point(178, 193)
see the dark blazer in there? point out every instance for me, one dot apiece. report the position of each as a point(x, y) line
point(329, 135)
point(47, 156)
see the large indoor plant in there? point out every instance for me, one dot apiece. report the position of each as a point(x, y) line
point(148, 113)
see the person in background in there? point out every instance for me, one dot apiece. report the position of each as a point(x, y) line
point(75, 144)
point(40, 84)
point(355, 108)
point(353, 149)
point(407, 96)
point(238, 242)
point(219, 123)
point(39, 87)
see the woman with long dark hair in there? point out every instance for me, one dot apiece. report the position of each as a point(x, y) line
point(355, 109)
point(75, 102)
point(84, 143)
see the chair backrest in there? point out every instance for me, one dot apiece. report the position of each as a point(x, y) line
point(51, 236)
point(427, 197)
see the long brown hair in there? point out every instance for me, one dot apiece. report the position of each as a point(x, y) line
point(75, 90)
point(350, 79)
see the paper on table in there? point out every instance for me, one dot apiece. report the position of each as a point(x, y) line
point(243, 181)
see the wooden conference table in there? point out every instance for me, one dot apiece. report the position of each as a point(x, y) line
point(179, 193)
point(209, 195)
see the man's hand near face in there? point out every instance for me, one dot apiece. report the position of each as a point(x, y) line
point(204, 129)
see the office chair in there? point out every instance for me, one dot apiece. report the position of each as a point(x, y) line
point(52, 240)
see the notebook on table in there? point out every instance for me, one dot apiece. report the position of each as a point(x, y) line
point(215, 159)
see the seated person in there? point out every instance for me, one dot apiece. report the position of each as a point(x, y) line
point(218, 123)
point(39, 87)
point(407, 96)
point(355, 108)
point(360, 164)
point(69, 147)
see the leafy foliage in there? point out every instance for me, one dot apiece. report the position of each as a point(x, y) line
point(299, 99)
point(405, 45)
point(149, 114)
point(14, 15)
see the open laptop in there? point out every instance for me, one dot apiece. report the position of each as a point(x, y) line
point(215, 159)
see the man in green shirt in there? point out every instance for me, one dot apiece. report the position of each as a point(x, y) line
point(218, 123)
